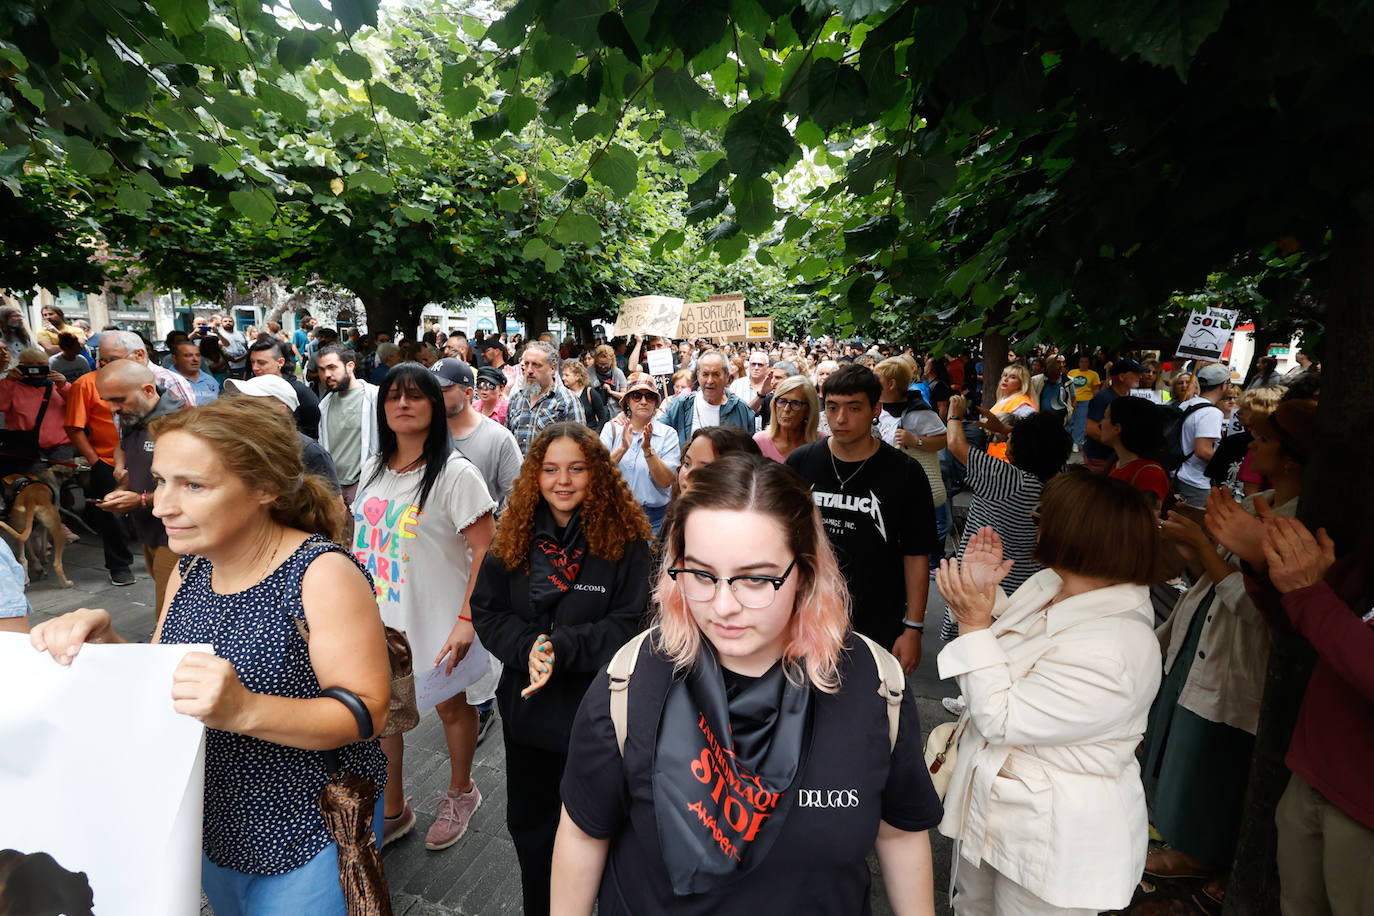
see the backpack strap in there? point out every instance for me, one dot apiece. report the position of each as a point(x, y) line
point(621, 668)
point(891, 686)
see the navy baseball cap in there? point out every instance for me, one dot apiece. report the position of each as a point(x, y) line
point(452, 372)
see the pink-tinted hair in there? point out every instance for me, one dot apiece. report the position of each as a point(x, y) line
point(820, 616)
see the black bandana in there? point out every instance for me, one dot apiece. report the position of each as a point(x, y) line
point(726, 765)
point(556, 557)
point(606, 376)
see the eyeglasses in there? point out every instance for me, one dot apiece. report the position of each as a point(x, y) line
point(788, 404)
point(750, 590)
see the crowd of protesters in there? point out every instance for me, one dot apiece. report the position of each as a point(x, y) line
point(689, 582)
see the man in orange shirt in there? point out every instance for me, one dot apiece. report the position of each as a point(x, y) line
point(91, 427)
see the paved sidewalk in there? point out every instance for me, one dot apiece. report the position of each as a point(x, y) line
point(478, 876)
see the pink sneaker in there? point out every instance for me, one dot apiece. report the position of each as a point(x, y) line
point(393, 828)
point(454, 813)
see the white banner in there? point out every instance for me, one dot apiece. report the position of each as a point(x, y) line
point(1207, 333)
point(99, 772)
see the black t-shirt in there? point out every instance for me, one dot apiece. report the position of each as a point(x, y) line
point(883, 512)
point(939, 393)
point(817, 865)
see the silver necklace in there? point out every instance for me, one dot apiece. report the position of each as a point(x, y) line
point(844, 481)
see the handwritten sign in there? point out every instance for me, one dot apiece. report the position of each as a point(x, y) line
point(649, 316)
point(432, 686)
point(1207, 334)
point(660, 362)
point(719, 317)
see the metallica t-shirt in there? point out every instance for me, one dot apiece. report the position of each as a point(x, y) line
point(876, 512)
point(851, 779)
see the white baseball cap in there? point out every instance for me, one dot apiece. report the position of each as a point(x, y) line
point(266, 386)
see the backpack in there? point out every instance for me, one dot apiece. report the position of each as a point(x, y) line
point(891, 685)
point(1172, 455)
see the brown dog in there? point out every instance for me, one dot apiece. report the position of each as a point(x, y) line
point(32, 499)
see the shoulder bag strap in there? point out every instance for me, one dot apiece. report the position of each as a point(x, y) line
point(891, 686)
point(43, 408)
point(621, 668)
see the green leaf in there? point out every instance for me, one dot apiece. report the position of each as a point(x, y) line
point(874, 235)
point(867, 167)
point(591, 124)
point(707, 209)
point(729, 250)
point(693, 25)
point(490, 127)
point(857, 10)
point(354, 14)
point(352, 64)
point(721, 231)
point(85, 158)
point(755, 140)
point(669, 241)
point(795, 228)
point(611, 29)
point(708, 185)
point(521, 109)
point(563, 98)
point(926, 180)
point(678, 94)
point(617, 169)
point(971, 329)
point(370, 180)
point(256, 204)
point(575, 20)
point(859, 296)
point(553, 261)
point(398, 103)
point(835, 95)
point(296, 49)
point(672, 139)
point(1165, 33)
point(133, 200)
point(754, 210)
point(534, 249)
point(12, 160)
point(416, 214)
point(460, 102)
point(183, 17)
point(578, 228)
point(554, 54)
point(408, 155)
point(233, 111)
point(313, 12)
point(290, 106)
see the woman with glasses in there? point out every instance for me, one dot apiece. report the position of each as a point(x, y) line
point(564, 585)
point(491, 402)
point(794, 421)
point(646, 451)
point(758, 767)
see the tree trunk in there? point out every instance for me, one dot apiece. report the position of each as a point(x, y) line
point(389, 313)
point(1338, 494)
point(536, 318)
point(995, 346)
point(500, 322)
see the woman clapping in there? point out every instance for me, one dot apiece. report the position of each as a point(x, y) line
point(565, 584)
point(645, 451)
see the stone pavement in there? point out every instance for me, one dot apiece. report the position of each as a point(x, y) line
point(478, 876)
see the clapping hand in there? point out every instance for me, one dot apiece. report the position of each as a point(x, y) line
point(1237, 530)
point(1187, 534)
point(1296, 559)
point(969, 586)
point(541, 665)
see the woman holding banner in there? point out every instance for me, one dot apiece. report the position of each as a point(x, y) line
point(259, 570)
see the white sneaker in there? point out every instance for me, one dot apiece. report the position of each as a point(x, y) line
point(954, 705)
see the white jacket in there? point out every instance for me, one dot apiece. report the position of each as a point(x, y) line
point(1046, 788)
point(369, 441)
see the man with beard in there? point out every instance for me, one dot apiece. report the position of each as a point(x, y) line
point(711, 405)
point(487, 444)
point(539, 402)
point(348, 418)
point(129, 388)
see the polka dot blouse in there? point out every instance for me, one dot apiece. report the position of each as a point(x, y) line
point(262, 813)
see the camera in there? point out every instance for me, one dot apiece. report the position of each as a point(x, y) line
point(34, 371)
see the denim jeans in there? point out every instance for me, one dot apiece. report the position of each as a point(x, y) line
point(1078, 423)
point(311, 889)
point(655, 515)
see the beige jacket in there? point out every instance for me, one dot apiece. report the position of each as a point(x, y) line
point(1226, 681)
point(1046, 788)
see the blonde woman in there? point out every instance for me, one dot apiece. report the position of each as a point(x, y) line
point(757, 770)
point(794, 420)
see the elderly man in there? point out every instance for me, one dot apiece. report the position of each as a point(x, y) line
point(266, 357)
point(186, 363)
point(711, 405)
point(116, 345)
point(388, 355)
point(539, 402)
point(128, 387)
point(754, 388)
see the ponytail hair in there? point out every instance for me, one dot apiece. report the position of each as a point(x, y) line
point(258, 443)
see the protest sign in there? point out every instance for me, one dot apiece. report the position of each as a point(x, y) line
point(432, 686)
point(99, 772)
point(1207, 333)
point(648, 316)
point(660, 362)
point(718, 318)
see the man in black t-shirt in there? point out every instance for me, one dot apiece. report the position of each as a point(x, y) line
point(876, 505)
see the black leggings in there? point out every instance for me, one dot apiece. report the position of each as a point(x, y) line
point(532, 809)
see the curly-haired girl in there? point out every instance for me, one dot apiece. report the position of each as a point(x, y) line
point(564, 585)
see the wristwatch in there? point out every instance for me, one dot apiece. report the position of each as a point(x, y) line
point(913, 624)
point(920, 441)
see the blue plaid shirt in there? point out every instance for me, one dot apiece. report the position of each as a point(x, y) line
point(526, 420)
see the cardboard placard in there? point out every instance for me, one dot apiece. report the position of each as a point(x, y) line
point(718, 318)
point(1207, 334)
point(656, 316)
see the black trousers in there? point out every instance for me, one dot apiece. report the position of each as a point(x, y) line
point(113, 537)
point(532, 809)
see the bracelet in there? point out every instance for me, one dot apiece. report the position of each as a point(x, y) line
point(143, 499)
point(355, 705)
point(468, 619)
point(914, 624)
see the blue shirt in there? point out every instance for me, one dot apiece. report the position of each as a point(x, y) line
point(302, 342)
point(204, 387)
point(634, 467)
point(12, 600)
